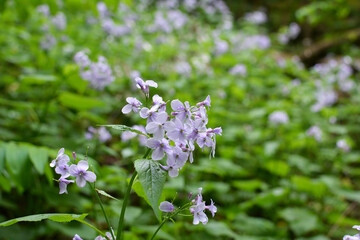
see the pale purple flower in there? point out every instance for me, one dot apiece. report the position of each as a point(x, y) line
point(101, 133)
point(102, 10)
point(176, 130)
point(212, 208)
point(257, 17)
point(62, 167)
point(61, 157)
point(47, 42)
point(157, 126)
point(77, 237)
point(158, 101)
point(238, 69)
point(181, 111)
point(63, 182)
point(343, 145)
point(159, 146)
point(82, 59)
point(315, 132)
point(355, 237)
point(144, 85)
point(43, 9)
point(133, 105)
point(150, 114)
point(99, 74)
point(324, 98)
point(279, 117)
point(82, 176)
point(221, 47)
point(108, 236)
point(166, 206)
point(206, 102)
point(59, 21)
point(294, 30)
point(183, 68)
point(176, 159)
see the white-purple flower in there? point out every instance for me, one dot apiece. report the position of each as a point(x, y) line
point(176, 159)
point(159, 146)
point(166, 206)
point(133, 105)
point(157, 127)
point(343, 145)
point(63, 182)
point(315, 132)
point(77, 237)
point(198, 209)
point(82, 176)
point(60, 158)
point(144, 85)
point(279, 117)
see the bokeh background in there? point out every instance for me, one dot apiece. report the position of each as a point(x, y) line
point(283, 77)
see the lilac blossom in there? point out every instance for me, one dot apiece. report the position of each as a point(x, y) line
point(59, 21)
point(257, 17)
point(108, 236)
point(238, 70)
point(181, 111)
point(157, 127)
point(149, 114)
point(63, 182)
point(355, 237)
point(99, 74)
point(159, 146)
point(176, 130)
point(82, 59)
point(82, 176)
point(343, 145)
point(144, 85)
point(101, 133)
point(166, 206)
point(43, 9)
point(133, 105)
point(315, 132)
point(77, 237)
point(198, 209)
point(279, 117)
point(176, 159)
point(102, 10)
point(60, 158)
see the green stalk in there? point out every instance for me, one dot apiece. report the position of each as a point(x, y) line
point(103, 210)
point(126, 200)
point(169, 217)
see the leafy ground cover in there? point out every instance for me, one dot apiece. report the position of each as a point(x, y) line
point(285, 165)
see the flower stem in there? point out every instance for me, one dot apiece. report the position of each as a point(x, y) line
point(169, 217)
point(124, 205)
point(102, 208)
point(126, 200)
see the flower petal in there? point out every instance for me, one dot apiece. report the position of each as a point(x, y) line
point(126, 109)
point(83, 165)
point(90, 176)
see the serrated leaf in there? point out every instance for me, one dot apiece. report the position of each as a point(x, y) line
point(56, 217)
point(152, 178)
point(39, 157)
point(106, 194)
point(123, 128)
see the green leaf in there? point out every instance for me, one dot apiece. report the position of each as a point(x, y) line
point(39, 157)
point(152, 178)
point(106, 194)
point(16, 157)
point(37, 79)
point(79, 102)
point(278, 168)
point(123, 128)
point(301, 220)
point(139, 190)
point(56, 217)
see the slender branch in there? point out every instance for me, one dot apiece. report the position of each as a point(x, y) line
point(103, 210)
point(124, 205)
point(126, 200)
point(169, 217)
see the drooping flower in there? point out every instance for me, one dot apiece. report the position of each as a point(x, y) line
point(63, 182)
point(198, 209)
point(133, 105)
point(144, 85)
point(166, 206)
point(82, 176)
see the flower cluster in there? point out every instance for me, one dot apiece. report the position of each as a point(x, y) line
point(101, 133)
point(173, 135)
point(79, 171)
point(279, 117)
point(355, 237)
point(197, 208)
point(99, 74)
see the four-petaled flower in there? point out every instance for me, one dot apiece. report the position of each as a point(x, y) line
point(133, 105)
point(61, 157)
point(144, 86)
point(82, 176)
